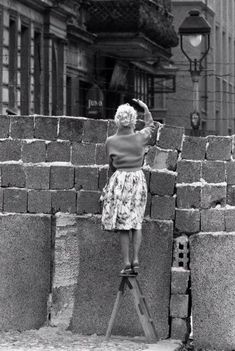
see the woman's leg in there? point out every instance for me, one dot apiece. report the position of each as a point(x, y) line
point(136, 239)
point(125, 244)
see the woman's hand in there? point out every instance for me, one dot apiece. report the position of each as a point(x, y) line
point(141, 104)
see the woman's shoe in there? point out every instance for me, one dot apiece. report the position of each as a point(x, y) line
point(127, 270)
point(135, 267)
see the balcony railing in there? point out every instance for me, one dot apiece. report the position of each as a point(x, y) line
point(150, 17)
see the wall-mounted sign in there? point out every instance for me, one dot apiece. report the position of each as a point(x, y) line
point(95, 101)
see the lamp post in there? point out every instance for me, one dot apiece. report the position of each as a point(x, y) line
point(195, 34)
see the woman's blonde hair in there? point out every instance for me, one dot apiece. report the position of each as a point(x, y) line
point(125, 116)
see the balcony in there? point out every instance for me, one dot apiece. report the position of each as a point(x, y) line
point(132, 28)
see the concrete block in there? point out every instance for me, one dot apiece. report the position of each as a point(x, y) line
point(86, 178)
point(71, 129)
point(1, 199)
point(95, 131)
point(148, 205)
point(212, 263)
point(112, 127)
point(179, 280)
point(15, 200)
point(34, 151)
point(46, 127)
point(187, 221)
point(229, 215)
point(159, 159)
point(63, 201)
point(37, 177)
point(219, 148)
point(103, 178)
point(188, 196)
point(213, 171)
point(147, 177)
point(100, 155)
point(181, 252)
point(213, 195)
point(230, 172)
point(22, 127)
point(10, 150)
point(171, 137)
point(212, 220)
point(179, 305)
point(194, 148)
point(180, 328)
point(61, 177)
point(25, 263)
point(83, 154)
point(58, 151)
point(13, 175)
point(4, 126)
point(189, 171)
point(231, 195)
point(88, 202)
point(96, 287)
point(162, 183)
point(163, 207)
point(39, 201)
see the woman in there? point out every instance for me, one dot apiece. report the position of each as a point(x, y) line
point(125, 196)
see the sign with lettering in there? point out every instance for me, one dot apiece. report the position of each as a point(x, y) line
point(95, 100)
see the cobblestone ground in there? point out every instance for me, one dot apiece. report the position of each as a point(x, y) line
point(53, 338)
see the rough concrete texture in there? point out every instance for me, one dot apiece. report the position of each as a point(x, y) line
point(24, 270)
point(213, 285)
point(98, 266)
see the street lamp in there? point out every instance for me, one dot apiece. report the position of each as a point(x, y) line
point(195, 33)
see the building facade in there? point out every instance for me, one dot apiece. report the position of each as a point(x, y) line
point(83, 58)
point(217, 78)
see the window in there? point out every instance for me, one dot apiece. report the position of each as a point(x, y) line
point(25, 70)
point(37, 72)
point(12, 62)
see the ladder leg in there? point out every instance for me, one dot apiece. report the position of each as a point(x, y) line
point(113, 315)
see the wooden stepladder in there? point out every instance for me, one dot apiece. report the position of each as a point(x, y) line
point(140, 306)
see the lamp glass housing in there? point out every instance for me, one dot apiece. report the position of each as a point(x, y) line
point(195, 39)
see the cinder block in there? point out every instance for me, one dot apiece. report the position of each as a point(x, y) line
point(112, 127)
point(39, 201)
point(189, 171)
point(86, 178)
point(103, 177)
point(15, 200)
point(219, 148)
point(148, 205)
point(162, 183)
point(163, 207)
point(34, 151)
point(58, 151)
point(229, 219)
point(37, 177)
point(213, 171)
point(230, 172)
point(10, 150)
point(61, 177)
point(159, 159)
point(95, 131)
point(194, 148)
point(179, 280)
point(1, 199)
point(71, 129)
point(171, 137)
point(4, 126)
point(179, 305)
point(181, 252)
point(180, 328)
point(22, 127)
point(188, 196)
point(46, 127)
point(13, 175)
point(231, 195)
point(88, 202)
point(83, 154)
point(212, 220)
point(213, 195)
point(187, 221)
point(63, 201)
point(100, 155)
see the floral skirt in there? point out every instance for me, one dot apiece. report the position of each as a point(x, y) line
point(124, 201)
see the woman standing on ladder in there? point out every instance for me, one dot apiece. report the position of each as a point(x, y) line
point(125, 196)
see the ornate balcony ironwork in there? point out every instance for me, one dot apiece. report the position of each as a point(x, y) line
point(152, 18)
